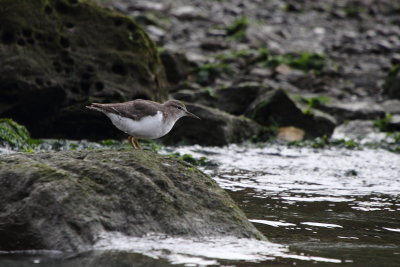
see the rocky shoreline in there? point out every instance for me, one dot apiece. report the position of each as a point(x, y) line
point(336, 61)
point(281, 64)
point(253, 71)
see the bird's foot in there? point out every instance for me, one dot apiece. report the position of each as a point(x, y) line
point(136, 141)
point(132, 142)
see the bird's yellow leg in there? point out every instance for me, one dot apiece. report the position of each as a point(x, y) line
point(137, 144)
point(132, 142)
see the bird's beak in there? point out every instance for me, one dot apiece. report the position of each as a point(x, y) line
point(192, 115)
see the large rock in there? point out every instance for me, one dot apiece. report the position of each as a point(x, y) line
point(277, 109)
point(58, 55)
point(177, 66)
point(234, 100)
point(66, 200)
point(216, 128)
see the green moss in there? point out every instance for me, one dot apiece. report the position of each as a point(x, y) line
point(304, 61)
point(211, 92)
point(233, 55)
point(313, 102)
point(237, 29)
point(202, 161)
point(320, 142)
point(191, 169)
point(308, 112)
point(151, 145)
point(383, 123)
point(13, 134)
point(110, 142)
point(209, 72)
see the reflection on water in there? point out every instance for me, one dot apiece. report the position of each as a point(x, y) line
point(329, 207)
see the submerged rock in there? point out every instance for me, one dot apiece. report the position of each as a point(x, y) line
point(67, 200)
point(276, 108)
point(58, 55)
point(216, 128)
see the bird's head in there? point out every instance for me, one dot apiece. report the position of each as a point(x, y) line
point(179, 109)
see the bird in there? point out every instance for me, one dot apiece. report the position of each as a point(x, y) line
point(143, 119)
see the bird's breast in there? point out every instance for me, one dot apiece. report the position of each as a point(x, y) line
point(150, 127)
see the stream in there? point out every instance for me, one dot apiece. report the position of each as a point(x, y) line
point(328, 207)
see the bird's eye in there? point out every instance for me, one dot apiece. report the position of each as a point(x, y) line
point(178, 107)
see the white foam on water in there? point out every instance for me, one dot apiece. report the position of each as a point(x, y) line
point(326, 225)
point(392, 229)
point(273, 223)
point(200, 251)
point(318, 172)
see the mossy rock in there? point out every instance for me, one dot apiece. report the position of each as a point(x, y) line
point(67, 200)
point(58, 55)
point(13, 135)
point(278, 109)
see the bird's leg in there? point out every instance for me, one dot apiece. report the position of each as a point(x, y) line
point(137, 144)
point(131, 142)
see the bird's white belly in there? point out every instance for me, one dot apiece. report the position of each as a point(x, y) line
point(151, 127)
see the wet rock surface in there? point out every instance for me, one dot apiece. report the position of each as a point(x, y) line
point(216, 128)
point(66, 200)
point(57, 56)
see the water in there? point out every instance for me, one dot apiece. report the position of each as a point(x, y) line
point(328, 207)
point(332, 203)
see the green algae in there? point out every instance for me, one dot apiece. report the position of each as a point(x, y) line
point(14, 135)
point(237, 30)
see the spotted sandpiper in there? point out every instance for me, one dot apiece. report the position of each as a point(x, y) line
point(143, 119)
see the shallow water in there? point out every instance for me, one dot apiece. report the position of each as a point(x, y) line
point(328, 207)
point(333, 203)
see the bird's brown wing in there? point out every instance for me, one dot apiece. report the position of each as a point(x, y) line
point(135, 109)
